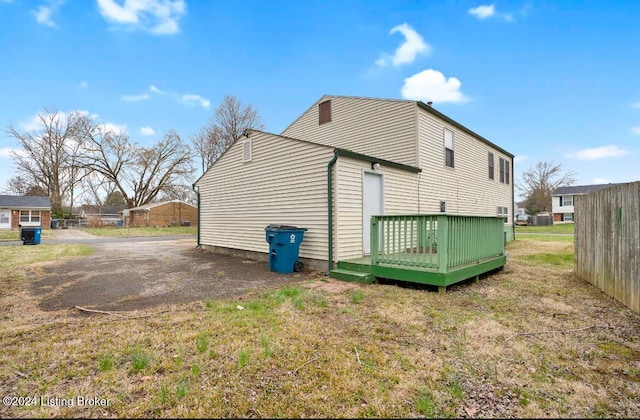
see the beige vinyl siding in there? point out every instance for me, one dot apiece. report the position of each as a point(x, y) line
point(400, 197)
point(284, 183)
point(375, 127)
point(466, 188)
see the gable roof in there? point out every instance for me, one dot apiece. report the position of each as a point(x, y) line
point(25, 201)
point(420, 105)
point(580, 189)
point(149, 206)
point(93, 209)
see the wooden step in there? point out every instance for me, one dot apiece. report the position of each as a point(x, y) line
point(350, 275)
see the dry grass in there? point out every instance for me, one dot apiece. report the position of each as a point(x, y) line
point(530, 341)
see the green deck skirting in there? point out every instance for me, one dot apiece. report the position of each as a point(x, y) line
point(423, 275)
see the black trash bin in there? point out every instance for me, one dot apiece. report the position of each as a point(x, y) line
point(284, 248)
point(54, 223)
point(30, 235)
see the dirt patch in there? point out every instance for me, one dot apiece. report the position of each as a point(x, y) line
point(138, 275)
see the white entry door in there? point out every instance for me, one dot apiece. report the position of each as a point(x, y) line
point(5, 219)
point(372, 205)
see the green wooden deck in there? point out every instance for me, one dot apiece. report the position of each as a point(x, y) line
point(437, 250)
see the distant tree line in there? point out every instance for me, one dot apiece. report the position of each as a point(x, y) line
point(72, 158)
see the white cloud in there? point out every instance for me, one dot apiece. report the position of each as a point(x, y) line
point(135, 98)
point(154, 89)
point(6, 1)
point(43, 13)
point(635, 130)
point(487, 11)
point(35, 123)
point(601, 181)
point(192, 99)
point(31, 125)
point(147, 131)
point(635, 105)
point(431, 85)
point(601, 152)
point(407, 52)
point(483, 12)
point(84, 84)
point(521, 158)
point(114, 128)
point(159, 17)
point(6, 152)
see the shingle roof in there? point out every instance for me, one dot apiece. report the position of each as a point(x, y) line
point(580, 189)
point(25, 202)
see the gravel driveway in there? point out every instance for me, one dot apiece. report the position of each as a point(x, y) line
point(146, 272)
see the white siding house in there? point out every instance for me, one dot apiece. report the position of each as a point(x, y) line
point(343, 160)
point(562, 199)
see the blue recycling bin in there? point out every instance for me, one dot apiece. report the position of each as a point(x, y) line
point(31, 235)
point(284, 248)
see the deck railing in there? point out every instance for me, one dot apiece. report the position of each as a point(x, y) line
point(434, 240)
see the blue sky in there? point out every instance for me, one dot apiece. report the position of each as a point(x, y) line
point(556, 81)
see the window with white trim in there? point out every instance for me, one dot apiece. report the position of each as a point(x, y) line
point(568, 217)
point(503, 212)
point(506, 172)
point(448, 148)
point(566, 200)
point(491, 166)
point(29, 216)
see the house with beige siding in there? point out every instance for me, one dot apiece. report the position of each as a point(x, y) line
point(342, 161)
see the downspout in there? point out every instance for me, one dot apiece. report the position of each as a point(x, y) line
point(330, 207)
point(196, 189)
point(513, 201)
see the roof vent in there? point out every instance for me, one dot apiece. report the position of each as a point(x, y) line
point(429, 103)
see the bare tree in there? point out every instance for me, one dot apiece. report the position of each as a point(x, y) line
point(140, 174)
point(539, 182)
point(230, 119)
point(47, 156)
point(19, 185)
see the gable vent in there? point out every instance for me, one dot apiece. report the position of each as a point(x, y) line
point(246, 150)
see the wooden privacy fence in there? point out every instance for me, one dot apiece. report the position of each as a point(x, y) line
point(607, 241)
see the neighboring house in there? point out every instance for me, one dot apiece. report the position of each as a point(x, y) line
point(26, 211)
point(165, 213)
point(520, 208)
point(562, 199)
point(342, 161)
point(100, 215)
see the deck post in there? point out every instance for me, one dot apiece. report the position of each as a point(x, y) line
point(443, 227)
point(374, 240)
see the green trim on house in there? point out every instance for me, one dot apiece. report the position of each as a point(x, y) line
point(372, 159)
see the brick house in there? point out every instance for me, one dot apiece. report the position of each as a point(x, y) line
point(165, 213)
point(24, 210)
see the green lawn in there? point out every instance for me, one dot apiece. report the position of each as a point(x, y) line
point(14, 235)
point(530, 341)
point(142, 231)
point(559, 228)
